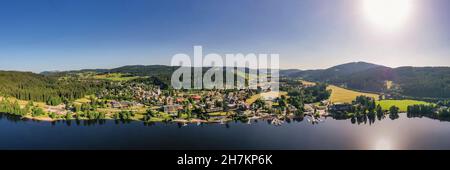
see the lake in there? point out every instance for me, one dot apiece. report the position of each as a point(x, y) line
point(402, 133)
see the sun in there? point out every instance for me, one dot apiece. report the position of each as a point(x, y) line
point(388, 15)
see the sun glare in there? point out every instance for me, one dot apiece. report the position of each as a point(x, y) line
point(383, 144)
point(388, 15)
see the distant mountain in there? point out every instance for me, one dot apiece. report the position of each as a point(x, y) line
point(350, 68)
point(159, 72)
point(330, 73)
point(57, 73)
point(290, 72)
point(373, 79)
point(144, 70)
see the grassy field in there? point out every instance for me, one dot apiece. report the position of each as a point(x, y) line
point(23, 103)
point(341, 95)
point(252, 99)
point(402, 104)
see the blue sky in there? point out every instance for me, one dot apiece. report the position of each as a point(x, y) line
point(39, 35)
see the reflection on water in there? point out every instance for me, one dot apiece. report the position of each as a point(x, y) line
point(383, 144)
point(359, 132)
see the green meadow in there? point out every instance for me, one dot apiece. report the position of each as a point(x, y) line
point(115, 77)
point(402, 104)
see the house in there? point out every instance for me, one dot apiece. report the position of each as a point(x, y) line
point(442, 108)
point(115, 104)
point(196, 97)
point(325, 102)
point(243, 106)
point(179, 100)
point(231, 105)
point(169, 100)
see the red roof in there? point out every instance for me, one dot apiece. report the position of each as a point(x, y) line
point(196, 97)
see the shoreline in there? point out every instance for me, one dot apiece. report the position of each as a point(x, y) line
point(182, 121)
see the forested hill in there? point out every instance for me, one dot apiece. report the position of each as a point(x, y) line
point(158, 73)
point(424, 81)
point(408, 81)
point(332, 73)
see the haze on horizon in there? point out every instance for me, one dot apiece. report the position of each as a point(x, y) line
point(43, 35)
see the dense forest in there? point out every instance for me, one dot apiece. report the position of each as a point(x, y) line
point(158, 73)
point(36, 87)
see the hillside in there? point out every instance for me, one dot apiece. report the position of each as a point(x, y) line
point(159, 74)
point(341, 95)
point(433, 82)
point(37, 87)
point(424, 81)
point(331, 74)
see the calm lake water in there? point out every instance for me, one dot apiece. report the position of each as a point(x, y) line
point(402, 133)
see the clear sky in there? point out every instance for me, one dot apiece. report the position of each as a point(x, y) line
point(39, 35)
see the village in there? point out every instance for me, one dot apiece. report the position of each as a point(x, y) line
point(149, 103)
